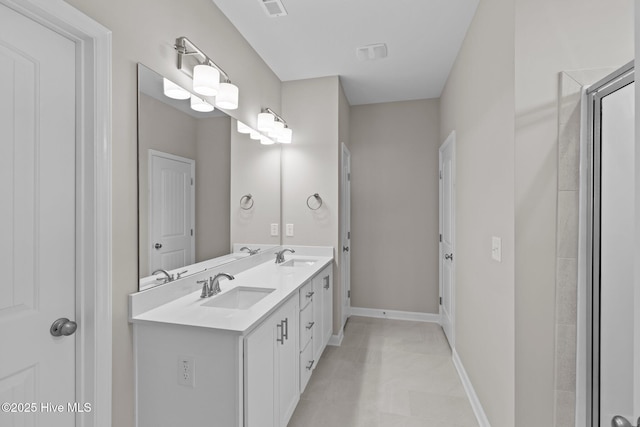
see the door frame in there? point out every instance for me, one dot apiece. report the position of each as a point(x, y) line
point(594, 95)
point(345, 214)
point(155, 153)
point(450, 141)
point(93, 202)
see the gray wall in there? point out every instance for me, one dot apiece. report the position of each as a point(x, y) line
point(477, 103)
point(394, 191)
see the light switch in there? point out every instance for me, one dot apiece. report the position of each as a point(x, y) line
point(289, 230)
point(274, 229)
point(496, 248)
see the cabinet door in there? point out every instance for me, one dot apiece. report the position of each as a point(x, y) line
point(326, 278)
point(259, 376)
point(318, 328)
point(287, 363)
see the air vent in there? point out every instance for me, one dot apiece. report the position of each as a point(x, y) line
point(273, 8)
point(372, 52)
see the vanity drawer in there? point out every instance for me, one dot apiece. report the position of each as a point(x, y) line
point(306, 365)
point(306, 325)
point(306, 294)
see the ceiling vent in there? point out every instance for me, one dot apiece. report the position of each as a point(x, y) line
point(273, 8)
point(372, 52)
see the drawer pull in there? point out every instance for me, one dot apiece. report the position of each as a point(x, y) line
point(310, 325)
point(310, 365)
point(326, 282)
point(285, 334)
point(310, 294)
point(281, 339)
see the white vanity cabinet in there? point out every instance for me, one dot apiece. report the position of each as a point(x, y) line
point(271, 390)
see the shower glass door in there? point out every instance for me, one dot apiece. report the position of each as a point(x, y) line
point(615, 313)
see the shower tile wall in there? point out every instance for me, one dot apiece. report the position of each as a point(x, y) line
point(567, 250)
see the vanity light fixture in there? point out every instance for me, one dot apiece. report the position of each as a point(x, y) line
point(206, 75)
point(174, 91)
point(199, 104)
point(274, 126)
point(254, 134)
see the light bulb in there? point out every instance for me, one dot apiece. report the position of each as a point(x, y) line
point(227, 97)
point(242, 128)
point(265, 122)
point(201, 105)
point(206, 80)
point(265, 140)
point(174, 91)
point(286, 136)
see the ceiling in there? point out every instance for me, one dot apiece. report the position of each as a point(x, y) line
point(319, 38)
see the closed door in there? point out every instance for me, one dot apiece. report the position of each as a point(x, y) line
point(447, 237)
point(37, 222)
point(615, 292)
point(172, 211)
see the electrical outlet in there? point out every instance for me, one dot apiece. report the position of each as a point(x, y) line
point(290, 230)
point(186, 371)
point(496, 248)
point(274, 229)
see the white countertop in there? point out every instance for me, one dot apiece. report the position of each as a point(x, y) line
point(188, 310)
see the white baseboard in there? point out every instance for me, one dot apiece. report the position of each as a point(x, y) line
point(336, 340)
point(395, 314)
point(471, 393)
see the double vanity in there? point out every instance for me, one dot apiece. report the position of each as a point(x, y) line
point(241, 357)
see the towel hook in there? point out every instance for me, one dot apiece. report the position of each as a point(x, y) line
point(245, 200)
point(318, 199)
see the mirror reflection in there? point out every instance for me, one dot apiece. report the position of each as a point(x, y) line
point(194, 173)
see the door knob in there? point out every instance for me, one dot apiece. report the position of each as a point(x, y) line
point(157, 245)
point(620, 421)
point(448, 256)
point(63, 326)
point(345, 248)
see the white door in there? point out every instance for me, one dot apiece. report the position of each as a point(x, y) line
point(172, 211)
point(37, 222)
point(345, 258)
point(447, 237)
point(619, 362)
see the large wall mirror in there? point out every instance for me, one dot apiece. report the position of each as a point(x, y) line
point(203, 187)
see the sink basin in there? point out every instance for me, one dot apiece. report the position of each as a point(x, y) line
point(239, 298)
point(298, 262)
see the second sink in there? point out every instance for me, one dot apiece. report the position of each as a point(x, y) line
point(298, 263)
point(239, 298)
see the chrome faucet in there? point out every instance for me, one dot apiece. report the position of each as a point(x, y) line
point(251, 251)
point(167, 279)
point(214, 283)
point(280, 255)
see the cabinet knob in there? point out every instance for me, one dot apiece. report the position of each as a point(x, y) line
point(311, 362)
point(310, 294)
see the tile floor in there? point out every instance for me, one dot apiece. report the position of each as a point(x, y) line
point(386, 373)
